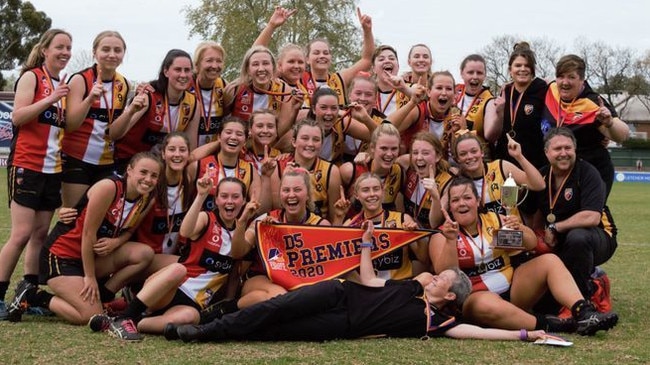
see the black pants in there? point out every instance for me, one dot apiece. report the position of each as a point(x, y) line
point(312, 313)
point(581, 250)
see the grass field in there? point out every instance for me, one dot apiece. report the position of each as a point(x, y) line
point(49, 341)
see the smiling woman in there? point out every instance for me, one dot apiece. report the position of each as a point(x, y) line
point(162, 107)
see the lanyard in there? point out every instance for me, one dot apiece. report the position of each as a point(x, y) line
point(514, 111)
point(560, 117)
point(169, 114)
point(59, 103)
point(552, 198)
point(383, 107)
point(111, 108)
point(206, 114)
point(466, 236)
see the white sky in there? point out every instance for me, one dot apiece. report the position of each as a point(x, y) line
point(451, 28)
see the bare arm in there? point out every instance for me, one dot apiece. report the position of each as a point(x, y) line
point(442, 249)
point(77, 106)
point(366, 270)
point(195, 220)
point(366, 51)
point(100, 197)
point(25, 109)
point(278, 18)
point(530, 175)
point(468, 331)
point(333, 192)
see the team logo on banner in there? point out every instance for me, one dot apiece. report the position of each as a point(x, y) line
point(299, 255)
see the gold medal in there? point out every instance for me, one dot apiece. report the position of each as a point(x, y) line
point(550, 218)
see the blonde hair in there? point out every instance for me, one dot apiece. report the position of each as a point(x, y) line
point(365, 176)
point(384, 128)
point(204, 46)
point(36, 57)
point(106, 34)
point(244, 78)
point(306, 178)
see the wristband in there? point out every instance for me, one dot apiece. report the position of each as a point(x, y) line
point(523, 335)
point(366, 245)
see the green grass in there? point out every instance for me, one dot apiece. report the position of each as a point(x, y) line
point(50, 341)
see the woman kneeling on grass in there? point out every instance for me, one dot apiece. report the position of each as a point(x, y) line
point(176, 293)
point(87, 262)
point(502, 295)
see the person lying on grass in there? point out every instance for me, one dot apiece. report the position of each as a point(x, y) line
point(338, 309)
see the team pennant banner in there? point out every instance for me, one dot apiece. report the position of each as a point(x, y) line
point(299, 255)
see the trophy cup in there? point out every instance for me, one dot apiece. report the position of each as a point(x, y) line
point(507, 238)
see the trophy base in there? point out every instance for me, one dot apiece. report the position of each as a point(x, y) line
point(509, 239)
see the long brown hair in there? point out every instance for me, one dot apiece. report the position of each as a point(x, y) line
point(36, 56)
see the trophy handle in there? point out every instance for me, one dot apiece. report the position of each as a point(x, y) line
point(525, 188)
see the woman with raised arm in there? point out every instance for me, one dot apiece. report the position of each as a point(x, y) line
point(208, 86)
point(87, 262)
point(34, 163)
point(151, 116)
point(503, 296)
point(319, 59)
point(257, 87)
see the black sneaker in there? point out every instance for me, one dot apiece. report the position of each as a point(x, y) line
point(124, 329)
point(590, 321)
point(170, 332)
point(557, 324)
point(100, 322)
point(192, 332)
point(19, 304)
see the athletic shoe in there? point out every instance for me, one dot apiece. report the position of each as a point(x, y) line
point(192, 332)
point(19, 303)
point(3, 311)
point(590, 321)
point(170, 332)
point(557, 324)
point(124, 329)
point(100, 322)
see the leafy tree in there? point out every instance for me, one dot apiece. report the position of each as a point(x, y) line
point(21, 26)
point(610, 70)
point(236, 24)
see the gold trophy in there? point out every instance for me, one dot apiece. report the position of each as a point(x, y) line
point(507, 238)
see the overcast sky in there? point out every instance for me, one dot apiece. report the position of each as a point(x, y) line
point(452, 28)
